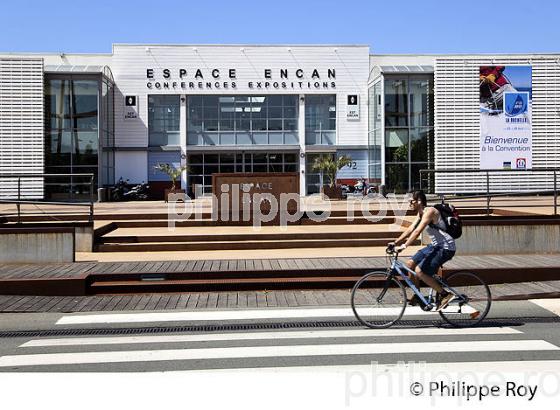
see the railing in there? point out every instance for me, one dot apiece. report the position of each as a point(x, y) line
point(18, 195)
point(486, 193)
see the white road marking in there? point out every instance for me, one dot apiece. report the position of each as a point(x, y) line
point(222, 315)
point(552, 305)
point(308, 334)
point(505, 366)
point(273, 351)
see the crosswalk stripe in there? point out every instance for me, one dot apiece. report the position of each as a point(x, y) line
point(506, 366)
point(312, 334)
point(273, 351)
point(237, 315)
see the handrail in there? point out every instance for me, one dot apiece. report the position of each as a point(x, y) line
point(45, 175)
point(488, 195)
point(468, 170)
point(19, 201)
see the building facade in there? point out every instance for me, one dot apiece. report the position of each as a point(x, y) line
point(266, 109)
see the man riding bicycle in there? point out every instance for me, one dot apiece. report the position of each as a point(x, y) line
point(427, 261)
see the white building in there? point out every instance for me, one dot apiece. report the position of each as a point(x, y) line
point(252, 108)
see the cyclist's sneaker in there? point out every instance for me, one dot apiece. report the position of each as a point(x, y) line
point(415, 301)
point(444, 299)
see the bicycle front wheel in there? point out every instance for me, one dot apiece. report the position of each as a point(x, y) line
point(378, 300)
point(472, 301)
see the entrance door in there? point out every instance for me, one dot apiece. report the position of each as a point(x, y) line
point(203, 165)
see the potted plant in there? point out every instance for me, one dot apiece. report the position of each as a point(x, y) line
point(329, 166)
point(173, 173)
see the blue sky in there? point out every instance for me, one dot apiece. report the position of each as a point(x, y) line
point(422, 26)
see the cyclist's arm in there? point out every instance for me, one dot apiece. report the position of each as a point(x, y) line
point(408, 231)
point(425, 221)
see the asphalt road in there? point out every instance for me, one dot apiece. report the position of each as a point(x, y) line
point(514, 332)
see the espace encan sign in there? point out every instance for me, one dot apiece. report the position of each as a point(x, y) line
point(352, 107)
point(130, 107)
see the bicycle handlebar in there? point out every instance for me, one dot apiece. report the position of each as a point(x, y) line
point(392, 250)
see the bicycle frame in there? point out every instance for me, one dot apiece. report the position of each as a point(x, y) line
point(398, 267)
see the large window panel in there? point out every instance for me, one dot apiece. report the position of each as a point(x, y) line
point(58, 95)
point(85, 148)
point(427, 179)
point(72, 132)
point(396, 102)
point(242, 120)
point(320, 119)
point(409, 142)
point(396, 176)
point(163, 120)
point(421, 97)
point(396, 145)
point(421, 144)
point(84, 104)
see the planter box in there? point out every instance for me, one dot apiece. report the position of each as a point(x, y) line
point(176, 191)
point(332, 193)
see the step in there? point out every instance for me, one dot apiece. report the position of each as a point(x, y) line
point(205, 216)
point(210, 223)
point(242, 245)
point(280, 236)
point(197, 285)
point(221, 272)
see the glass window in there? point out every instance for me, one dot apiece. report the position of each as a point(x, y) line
point(427, 179)
point(85, 148)
point(396, 102)
point(408, 134)
point(242, 120)
point(421, 144)
point(84, 104)
point(396, 145)
point(290, 158)
point(421, 96)
point(58, 148)
point(163, 120)
point(58, 95)
point(396, 177)
point(314, 179)
point(73, 130)
point(320, 119)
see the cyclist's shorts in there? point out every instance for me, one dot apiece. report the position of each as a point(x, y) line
point(430, 258)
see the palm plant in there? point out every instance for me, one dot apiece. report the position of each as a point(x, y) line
point(172, 172)
point(330, 166)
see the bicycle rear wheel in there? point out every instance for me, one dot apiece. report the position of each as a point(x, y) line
point(378, 300)
point(473, 303)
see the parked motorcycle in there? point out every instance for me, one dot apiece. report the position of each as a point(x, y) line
point(358, 188)
point(118, 191)
point(122, 192)
point(138, 193)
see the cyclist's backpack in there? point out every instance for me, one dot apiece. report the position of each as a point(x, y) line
point(452, 220)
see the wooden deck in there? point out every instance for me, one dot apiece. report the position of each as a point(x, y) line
point(232, 300)
point(81, 269)
point(82, 278)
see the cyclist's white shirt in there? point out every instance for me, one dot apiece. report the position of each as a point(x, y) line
point(438, 236)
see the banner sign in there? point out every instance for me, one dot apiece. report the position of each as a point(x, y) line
point(506, 97)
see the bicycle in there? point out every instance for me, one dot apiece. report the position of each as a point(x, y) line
point(379, 298)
